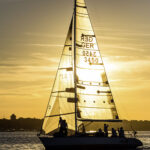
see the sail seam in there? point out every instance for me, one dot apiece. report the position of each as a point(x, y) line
point(81, 3)
point(82, 13)
point(86, 49)
point(81, 6)
point(82, 16)
point(98, 120)
point(66, 55)
point(87, 56)
point(93, 85)
point(96, 107)
point(67, 45)
point(62, 96)
point(88, 68)
point(83, 29)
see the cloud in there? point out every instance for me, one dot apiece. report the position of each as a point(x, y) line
point(11, 1)
point(43, 56)
point(13, 94)
point(45, 45)
point(44, 35)
point(122, 47)
point(121, 31)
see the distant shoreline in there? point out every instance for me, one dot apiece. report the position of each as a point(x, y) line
point(33, 124)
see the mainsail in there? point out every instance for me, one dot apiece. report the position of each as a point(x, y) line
point(94, 100)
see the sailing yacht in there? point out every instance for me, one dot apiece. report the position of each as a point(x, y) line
point(81, 94)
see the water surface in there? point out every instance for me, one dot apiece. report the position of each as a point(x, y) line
point(29, 140)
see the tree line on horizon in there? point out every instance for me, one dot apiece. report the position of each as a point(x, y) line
point(34, 124)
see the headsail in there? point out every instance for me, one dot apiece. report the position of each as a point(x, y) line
point(62, 94)
point(95, 100)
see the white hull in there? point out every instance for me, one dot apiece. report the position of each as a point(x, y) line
point(89, 142)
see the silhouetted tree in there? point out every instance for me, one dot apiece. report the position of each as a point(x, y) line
point(13, 117)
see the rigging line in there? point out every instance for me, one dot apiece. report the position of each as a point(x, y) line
point(85, 124)
point(101, 58)
point(93, 107)
point(61, 114)
point(62, 96)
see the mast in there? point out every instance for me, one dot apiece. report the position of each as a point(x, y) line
point(75, 66)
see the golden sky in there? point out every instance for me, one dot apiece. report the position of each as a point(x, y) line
point(32, 34)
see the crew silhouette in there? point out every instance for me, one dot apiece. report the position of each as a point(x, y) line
point(63, 127)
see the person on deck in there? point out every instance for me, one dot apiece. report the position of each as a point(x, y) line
point(63, 127)
point(106, 130)
point(114, 133)
point(134, 133)
point(60, 125)
point(121, 132)
point(83, 129)
point(100, 133)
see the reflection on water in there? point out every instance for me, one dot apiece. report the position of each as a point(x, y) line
point(29, 141)
point(20, 141)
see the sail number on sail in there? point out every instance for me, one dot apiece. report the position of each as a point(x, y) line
point(88, 47)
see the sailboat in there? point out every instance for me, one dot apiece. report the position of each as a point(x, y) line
point(81, 93)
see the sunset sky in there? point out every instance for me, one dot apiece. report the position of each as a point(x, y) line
point(32, 34)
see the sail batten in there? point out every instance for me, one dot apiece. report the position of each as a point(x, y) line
point(61, 114)
point(98, 120)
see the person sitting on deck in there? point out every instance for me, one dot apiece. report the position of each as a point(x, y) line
point(121, 132)
point(100, 133)
point(65, 128)
point(134, 133)
point(114, 133)
point(83, 129)
point(106, 130)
